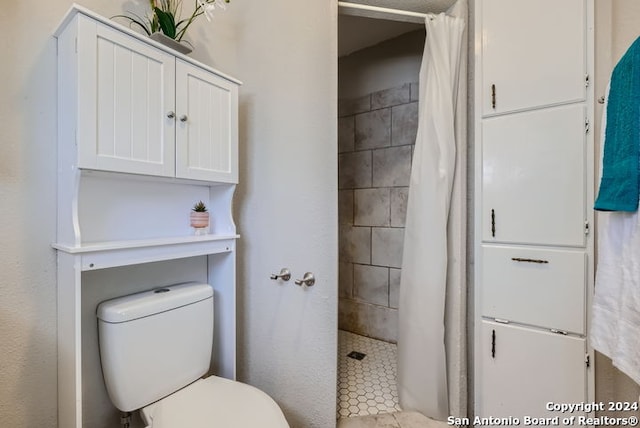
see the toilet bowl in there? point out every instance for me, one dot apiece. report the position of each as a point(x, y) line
point(155, 347)
point(215, 402)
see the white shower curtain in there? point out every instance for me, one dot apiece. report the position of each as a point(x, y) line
point(432, 308)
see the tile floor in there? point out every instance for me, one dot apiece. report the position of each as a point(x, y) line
point(367, 386)
point(392, 420)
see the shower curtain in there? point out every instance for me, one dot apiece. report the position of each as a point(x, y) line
point(432, 308)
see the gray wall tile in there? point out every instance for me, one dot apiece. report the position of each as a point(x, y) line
point(391, 97)
point(373, 129)
point(392, 167)
point(354, 106)
point(376, 141)
point(355, 244)
point(371, 284)
point(354, 170)
point(372, 207)
point(415, 91)
point(394, 287)
point(370, 320)
point(345, 279)
point(386, 246)
point(404, 124)
point(346, 134)
point(345, 206)
point(399, 198)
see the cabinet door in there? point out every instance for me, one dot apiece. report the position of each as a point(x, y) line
point(126, 91)
point(206, 135)
point(535, 286)
point(533, 53)
point(523, 369)
point(533, 177)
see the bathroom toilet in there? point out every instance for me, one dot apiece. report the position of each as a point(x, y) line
point(155, 347)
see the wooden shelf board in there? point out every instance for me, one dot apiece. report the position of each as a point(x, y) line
point(102, 255)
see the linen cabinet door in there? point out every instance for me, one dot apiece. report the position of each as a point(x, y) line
point(535, 286)
point(126, 102)
point(533, 177)
point(533, 53)
point(523, 369)
point(206, 134)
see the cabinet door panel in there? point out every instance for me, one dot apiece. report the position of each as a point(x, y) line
point(533, 177)
point(528, 369)
point(533, 52)
point(534, 286)
point(129, 100)
point(206, 136)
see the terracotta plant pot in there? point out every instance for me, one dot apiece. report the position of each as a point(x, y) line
point(199, 220)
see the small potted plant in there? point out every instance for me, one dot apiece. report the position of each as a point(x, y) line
point(163, 23)
point(200, 218)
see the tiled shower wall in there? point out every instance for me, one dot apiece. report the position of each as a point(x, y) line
point(376, 134)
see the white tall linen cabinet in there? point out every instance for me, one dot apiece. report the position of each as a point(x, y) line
point(534, 157)
point(143, 133)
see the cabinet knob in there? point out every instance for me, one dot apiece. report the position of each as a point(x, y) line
point(171, 115)
point(183, 118)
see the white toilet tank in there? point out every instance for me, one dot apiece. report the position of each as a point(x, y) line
point(154, 343)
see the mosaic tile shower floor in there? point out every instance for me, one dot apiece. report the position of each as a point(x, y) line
point(367, 386)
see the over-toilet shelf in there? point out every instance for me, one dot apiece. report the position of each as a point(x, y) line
point(103, 255)
point(143, 134)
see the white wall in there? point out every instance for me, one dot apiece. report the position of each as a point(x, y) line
point(27, 210)
point(617, 26)
point(266, 58)
point(383, 66)
point(285, 52)
point(27, 199)
point(288, 179)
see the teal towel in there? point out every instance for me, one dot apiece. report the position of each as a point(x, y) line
point(620, 183)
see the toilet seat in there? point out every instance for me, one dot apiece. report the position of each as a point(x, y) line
point(215, 402)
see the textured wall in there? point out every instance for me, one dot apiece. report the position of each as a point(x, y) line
point(287, 204)
point(27, 209)
point(28, 360)
point(617, 26)
point(376, 134)
point(386, 65)
point(377, 125)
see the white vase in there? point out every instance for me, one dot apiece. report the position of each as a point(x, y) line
point(169, 42)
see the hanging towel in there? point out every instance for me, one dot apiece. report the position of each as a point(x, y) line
point(620, 183)
point(615, 315)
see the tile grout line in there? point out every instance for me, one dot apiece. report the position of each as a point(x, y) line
point(366, 387)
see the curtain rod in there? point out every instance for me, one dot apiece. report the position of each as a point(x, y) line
point(368, 11)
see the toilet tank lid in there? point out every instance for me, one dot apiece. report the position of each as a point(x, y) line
point(162, 299)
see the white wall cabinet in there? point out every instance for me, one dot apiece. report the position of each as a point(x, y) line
point(141, 110)
point(535, 286)
point(524, 369)
point(533, 53)
point(533, 197)
point(543, 41)
point(143, 134)
point(207, 132)
point(536, 158)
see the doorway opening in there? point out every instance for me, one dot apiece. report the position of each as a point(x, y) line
point(379, 63)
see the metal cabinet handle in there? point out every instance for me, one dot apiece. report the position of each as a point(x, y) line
point(284, 275)
point(183, 118)
point(308, 279)
point(171, 115)
point(493, 223)
point(493, 96)
point(518, 259)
